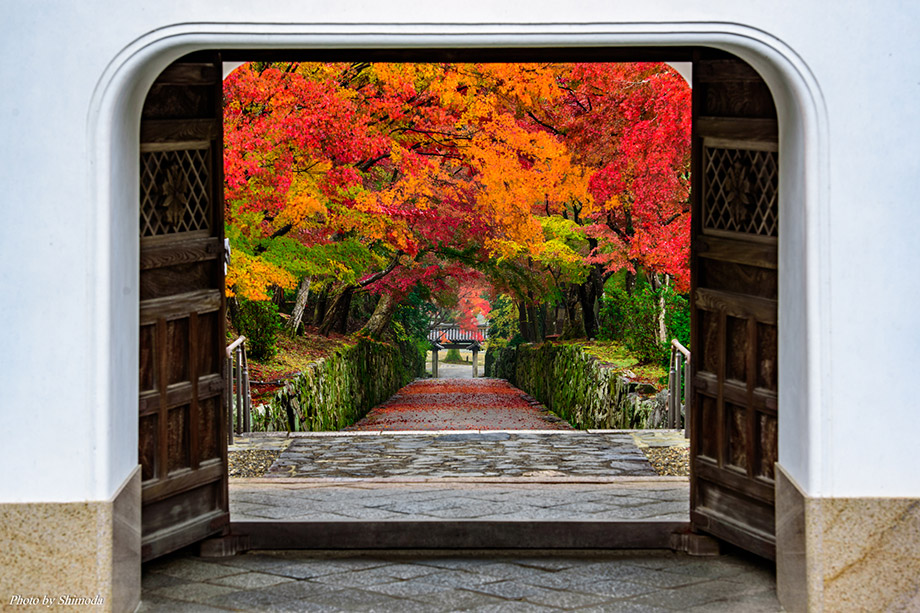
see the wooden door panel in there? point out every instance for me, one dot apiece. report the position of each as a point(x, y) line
point(734, 303)
point(182, 431)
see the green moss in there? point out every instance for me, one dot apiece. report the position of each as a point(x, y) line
point(338, 390)
point(611, 352)
point(574, 383)
point(617, 354)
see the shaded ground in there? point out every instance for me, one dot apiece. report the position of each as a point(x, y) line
point(435, 581)
point(460, 404)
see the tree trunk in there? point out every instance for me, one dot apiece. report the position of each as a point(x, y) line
point(522, 321)
point(379, 322)
point(589, 293)
point(526, 325)
point(300, 304)
point(533, 315)
point(319, 311)
point(587, 298)
point(278, 296)
point(574, 326)
point(662, 323)
point(629, 283)
point(345, 310)
point(337, 311)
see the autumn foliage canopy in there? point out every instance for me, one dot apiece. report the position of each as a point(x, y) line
point(529, 179)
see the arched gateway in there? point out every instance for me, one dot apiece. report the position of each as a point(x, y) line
point(736, 224)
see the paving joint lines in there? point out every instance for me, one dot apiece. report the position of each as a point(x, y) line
point(458, 454)
point(469, 500)
point(435, 581)
point(455, 475)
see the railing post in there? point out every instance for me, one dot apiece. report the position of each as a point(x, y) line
point(679, 370)
point(686, 406)
point(244, 383)
point(475, 349)
point(228, 399)
point(238, 396)
point(678, 382)
point(671, 377)
point(238, 402)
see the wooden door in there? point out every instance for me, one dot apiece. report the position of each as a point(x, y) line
point(182, 429)
point(734, 304)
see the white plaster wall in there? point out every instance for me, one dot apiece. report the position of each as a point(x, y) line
point(74, 75)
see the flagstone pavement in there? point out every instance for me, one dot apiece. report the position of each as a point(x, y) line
point(436, 581)
point(478, 475)
point(463, 454)
point(511, 475)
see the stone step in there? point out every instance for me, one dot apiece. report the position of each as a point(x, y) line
point(459, 534)
point(623, 499)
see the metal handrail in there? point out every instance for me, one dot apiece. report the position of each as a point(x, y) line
point(239, 398)
point(679, 387)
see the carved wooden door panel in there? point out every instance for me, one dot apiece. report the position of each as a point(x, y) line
point(182, 430)
point(734, 304)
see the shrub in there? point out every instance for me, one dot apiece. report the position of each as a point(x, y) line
point(259, 322)
point(410, 330)
point(504, 327)
point(453, 357)
point(633, 319)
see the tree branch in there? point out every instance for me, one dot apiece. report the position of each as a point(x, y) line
point(544, 124)
point(381, 274)
point(367, 164)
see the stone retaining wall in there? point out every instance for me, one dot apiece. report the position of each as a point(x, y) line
point(336, 391)
point(580, 388)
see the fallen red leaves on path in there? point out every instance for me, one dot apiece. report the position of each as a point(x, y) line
point(460, 404)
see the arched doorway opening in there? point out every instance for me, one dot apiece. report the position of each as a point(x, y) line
point(734, 401)
point(123, 89)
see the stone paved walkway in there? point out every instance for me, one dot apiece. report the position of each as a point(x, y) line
point(432, 582)
point(573, 453)
point(460, 404)
point(513, 475)
point(632, 499)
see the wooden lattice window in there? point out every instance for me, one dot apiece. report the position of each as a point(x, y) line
point(740, 191)
point(174, 191)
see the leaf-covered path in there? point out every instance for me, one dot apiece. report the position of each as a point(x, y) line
point(460, 404)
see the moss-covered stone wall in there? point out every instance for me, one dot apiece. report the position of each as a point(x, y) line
point(336, 391)
point(583, 390)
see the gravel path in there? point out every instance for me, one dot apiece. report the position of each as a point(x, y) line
point(669, 461)
point(248, 463)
